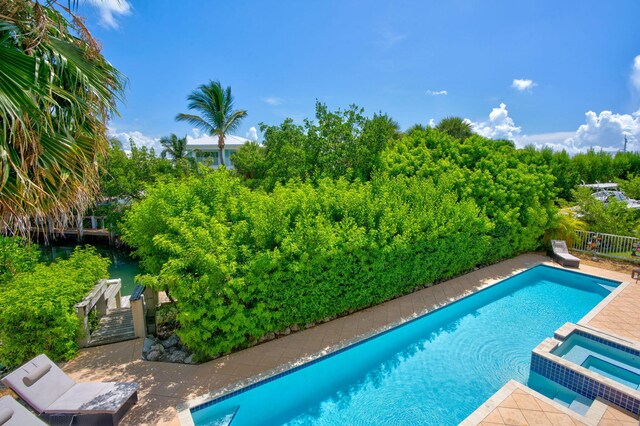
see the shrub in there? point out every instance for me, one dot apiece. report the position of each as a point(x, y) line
point(243, 263)
point(37, 308)
point(16, 255)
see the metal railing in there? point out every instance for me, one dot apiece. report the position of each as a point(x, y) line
point(608, 245)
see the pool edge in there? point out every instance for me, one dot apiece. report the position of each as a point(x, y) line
point(184, 409)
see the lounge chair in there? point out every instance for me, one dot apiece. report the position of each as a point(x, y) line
point(14, 414)
point(562, 256)
point(55, 396)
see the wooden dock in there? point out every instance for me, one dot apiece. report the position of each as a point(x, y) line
point(115, 326)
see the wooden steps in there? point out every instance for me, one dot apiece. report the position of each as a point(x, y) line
point(116, 326)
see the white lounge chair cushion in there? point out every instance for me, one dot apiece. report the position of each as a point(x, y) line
point(36, 374)
point(5, 414)
point(44, 391)
point(17, 414)
point(93, 398)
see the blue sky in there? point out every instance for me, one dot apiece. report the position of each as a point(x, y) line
point(565, 74)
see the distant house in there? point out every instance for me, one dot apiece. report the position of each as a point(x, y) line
point(205, 149)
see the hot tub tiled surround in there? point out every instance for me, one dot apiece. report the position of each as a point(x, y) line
point(580, 379)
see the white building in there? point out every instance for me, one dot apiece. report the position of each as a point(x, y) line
point(205, 149)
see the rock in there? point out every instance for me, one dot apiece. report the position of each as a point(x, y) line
point(295, 327)
point(157, 348)
point(286, 331)
point(309, 325)
point(146, 346)
point(177, 356)
point(173, 340)
point(153, 356)
point(189, 360)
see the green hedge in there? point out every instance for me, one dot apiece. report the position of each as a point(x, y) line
point(36, 308)
point(243, 263)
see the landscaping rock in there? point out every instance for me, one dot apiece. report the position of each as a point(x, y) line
point(295, 327)
point(153, 356)
point(146, 346)
point(177, 356)
point(173, 340)
point(157, 347)
point(189, 360)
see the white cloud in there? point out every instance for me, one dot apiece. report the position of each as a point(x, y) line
point(635, 73)
point(252, 134)
point(522, 84)
point(499, 126)
point(432, 123)
point(437, 92)
point(138, 138)
point(604, 131)
point(272, 100)
point(108, 10)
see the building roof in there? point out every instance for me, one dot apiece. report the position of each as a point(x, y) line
point(211, 142)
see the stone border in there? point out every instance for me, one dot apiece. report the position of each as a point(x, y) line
point(204, 401)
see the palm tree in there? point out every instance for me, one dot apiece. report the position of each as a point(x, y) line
point(56, 93)
point(456, 127)
point(217, 116)
point(175, 147)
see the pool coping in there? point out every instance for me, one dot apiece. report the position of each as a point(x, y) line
point(184, 409)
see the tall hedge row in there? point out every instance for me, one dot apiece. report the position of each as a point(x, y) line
point(243, 263)
point(37, 307)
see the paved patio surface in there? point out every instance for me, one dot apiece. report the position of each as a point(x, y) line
point(163, 386)
point(516, 404)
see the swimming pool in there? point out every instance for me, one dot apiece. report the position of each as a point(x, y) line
point(435, 369)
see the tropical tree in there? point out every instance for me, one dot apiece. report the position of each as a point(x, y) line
point(174, 146)
point(456, 127)
point(56, 94)
point(217, 116)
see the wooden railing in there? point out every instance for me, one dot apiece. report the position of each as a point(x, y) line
point(105, 294)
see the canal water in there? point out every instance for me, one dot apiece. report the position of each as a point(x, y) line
point(123, 265)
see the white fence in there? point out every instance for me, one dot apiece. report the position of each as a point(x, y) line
point(608, 245)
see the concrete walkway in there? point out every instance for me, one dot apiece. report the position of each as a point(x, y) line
point(163, 386)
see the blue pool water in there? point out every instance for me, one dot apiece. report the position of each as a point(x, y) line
point(559, 393)
point(434, 370)
point(605, 360)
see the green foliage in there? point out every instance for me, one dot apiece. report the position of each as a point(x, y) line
point(241, 263)
point(516, 196)
point(57, 93)
point(250, 161)
point(217, 117)
point(37, 307)
point(455, 127)
point(631, 186)
point(16, 255)
point(612, 218)
point(563, 226)
point(338, 144)
point(125, 176)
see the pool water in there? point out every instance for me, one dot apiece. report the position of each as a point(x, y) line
point(558, 393)
point(605, 360)
point(434, 370)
